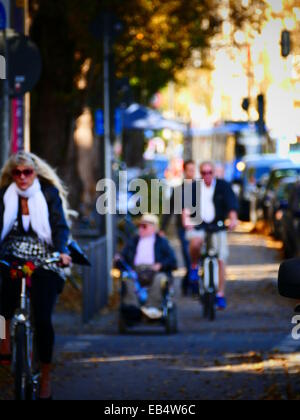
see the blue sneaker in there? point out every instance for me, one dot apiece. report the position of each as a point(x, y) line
point(194, 275)
point(221, 303)
point(194, 280)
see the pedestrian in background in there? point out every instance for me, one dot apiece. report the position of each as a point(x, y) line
point(189, 176)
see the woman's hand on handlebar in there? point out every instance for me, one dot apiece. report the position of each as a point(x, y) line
point(65, 260)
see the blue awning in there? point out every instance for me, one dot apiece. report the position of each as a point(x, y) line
point(138, 117)
point(226, 128)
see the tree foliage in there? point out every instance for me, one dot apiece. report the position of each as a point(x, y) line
point(157, 40)
point(162, 34)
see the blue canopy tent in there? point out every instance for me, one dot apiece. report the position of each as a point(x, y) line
point(137, 120)
point(225, 128)
point(138, 117)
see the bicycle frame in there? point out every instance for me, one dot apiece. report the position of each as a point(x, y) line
point(23, 318)
point(210, 260)
point(209, 281)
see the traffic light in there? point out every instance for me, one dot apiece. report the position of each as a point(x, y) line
point(246, 104)
point(285, 43)
point(261, 113)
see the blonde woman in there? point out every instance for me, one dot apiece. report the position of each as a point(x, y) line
point(33, 224)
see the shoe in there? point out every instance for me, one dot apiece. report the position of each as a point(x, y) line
point(152, 313)
point(194, 279)
point(194, 275)
point(221, 303)
point(5, 359)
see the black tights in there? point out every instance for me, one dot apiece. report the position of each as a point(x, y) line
point(46, 286)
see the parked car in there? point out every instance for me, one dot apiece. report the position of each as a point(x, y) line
point(278, 173)
point(291, 224)
point(255, 176)
point(279, 206)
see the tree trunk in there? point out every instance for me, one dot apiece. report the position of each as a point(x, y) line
point(52, 128)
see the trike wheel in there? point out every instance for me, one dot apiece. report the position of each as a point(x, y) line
point(172, 321)
point(122, 325)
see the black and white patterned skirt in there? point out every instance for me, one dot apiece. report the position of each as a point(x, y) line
point(29, 248)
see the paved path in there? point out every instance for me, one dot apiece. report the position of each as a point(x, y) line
point(236, 357)
point(246, 354)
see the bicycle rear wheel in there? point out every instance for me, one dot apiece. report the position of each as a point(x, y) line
point(21, 386)
point(205, 300)
point(212, 296)
point(122, 325)
point(211, 307)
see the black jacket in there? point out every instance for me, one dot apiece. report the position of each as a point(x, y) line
point(164, 253)
point(57, 219)
point(167, 217)
point(225, 201)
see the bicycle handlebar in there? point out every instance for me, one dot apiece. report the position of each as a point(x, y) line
point(55, 258)
point(4, 264)
point(215, 227)
point(122, 265)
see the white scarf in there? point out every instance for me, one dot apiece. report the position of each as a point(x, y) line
point(38, 210)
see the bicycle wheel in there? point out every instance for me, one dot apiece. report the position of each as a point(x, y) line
point(211, 296)
point(34, 389)
point(20, 366)
point(172, 321)
point(205, 303)
point(122, 325)
point(211, 307)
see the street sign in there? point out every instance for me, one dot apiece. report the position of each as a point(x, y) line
point(2, 17)
point(25, 64)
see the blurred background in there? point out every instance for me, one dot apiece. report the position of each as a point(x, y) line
point(216, 80)
point(101, 86)
point(95, 87)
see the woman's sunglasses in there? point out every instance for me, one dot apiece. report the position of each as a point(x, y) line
point(17, 173)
